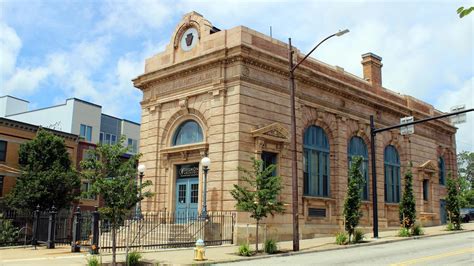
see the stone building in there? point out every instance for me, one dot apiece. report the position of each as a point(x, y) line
point(225, 94)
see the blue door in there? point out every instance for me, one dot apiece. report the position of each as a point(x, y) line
point(187, 191)
point(442, 211)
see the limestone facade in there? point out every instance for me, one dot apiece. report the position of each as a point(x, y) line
point(234, 84)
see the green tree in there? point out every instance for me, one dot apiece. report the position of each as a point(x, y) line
point(464, 11)
point(47, 177)
point(353, 199)
point(453, 204)
point(259, 193)
point(113, 178)
point(466, 178)
point(407, 207)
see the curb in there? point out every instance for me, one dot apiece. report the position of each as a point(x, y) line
point(310, 250)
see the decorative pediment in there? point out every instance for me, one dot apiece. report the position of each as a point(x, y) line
point(183, 151)
point(274, 132)
point(428, 167)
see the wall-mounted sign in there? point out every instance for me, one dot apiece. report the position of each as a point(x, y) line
point(189, 39)
point(188, 170)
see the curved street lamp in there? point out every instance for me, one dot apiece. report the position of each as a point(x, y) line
point(294, 171)
point(205, 162)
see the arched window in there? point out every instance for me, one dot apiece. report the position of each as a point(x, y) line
point(188, 132)
point(357, 147)
point(392, 174)
point(442, 170)
point(316, 162)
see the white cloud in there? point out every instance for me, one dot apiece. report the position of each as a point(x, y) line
point(133, 17)
point(10, 45)
point(13, 79)
point(463, 95)
point(25, 81)
point(426, 48)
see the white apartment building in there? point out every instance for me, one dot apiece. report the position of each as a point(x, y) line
point(75, 116)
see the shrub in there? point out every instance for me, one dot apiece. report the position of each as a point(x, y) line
point(358, 236)
point(450, 227)
point(341, 238)
point(133, 258)
point(416, 230)
point(8, 232)
point(244, 250)
point(93, 261)
point(404, 232)
point(270, 246)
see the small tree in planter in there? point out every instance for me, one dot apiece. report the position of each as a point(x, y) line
point(353, 199)
point(114, 179)
point(453, 202)
point(259, 193)
point(407, 207)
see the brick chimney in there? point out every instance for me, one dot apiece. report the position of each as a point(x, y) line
point(372, 66)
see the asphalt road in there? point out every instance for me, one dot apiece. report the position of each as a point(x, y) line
point(456, 249)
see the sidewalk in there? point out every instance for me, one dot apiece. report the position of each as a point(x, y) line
point(219, 254)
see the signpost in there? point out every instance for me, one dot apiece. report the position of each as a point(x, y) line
point(408, 129)
point(460, 118)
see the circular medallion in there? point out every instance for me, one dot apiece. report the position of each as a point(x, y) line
point(189, 39)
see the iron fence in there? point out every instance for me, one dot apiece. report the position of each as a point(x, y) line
point(150, 231)
point(168, 230)
point(23, 221)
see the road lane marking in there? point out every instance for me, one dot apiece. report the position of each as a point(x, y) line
point(43, 258)
point(433, 257)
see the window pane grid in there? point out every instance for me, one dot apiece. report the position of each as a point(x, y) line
point(182, 193)
point(187, 133)
point(392, 174)
point(194, 193)
point(316, 162)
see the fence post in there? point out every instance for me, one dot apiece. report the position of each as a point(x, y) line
point(51, 228)
point(36, 218)
point(95, 232)
point(76, 231)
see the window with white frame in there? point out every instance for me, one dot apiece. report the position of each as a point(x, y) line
point(86, 132)
point(132, 145)
point(107, 138)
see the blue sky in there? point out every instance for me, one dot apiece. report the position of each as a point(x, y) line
point(52, 50)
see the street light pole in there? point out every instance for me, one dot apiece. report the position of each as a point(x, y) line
point(138, 211)
point(206, 162)
point(294, 171)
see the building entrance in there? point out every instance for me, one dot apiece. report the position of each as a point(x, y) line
point(187, 191)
